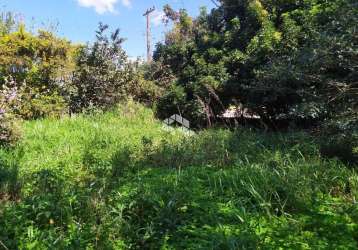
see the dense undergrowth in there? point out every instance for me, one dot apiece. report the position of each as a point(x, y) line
point(118, 180)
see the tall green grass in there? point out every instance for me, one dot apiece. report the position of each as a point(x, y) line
point(118, 180)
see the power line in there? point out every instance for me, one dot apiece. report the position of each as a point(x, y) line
point(215, 3)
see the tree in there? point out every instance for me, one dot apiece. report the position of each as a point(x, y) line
point(99, 78)
point(8, 22)
point(289, 61)
point(41, 64)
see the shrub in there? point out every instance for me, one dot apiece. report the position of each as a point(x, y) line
point(9, 129)
point(137, 87)
point(35, 105)
point(104, 76)
point(41, 64)
point(340, 140)
point(98, 78)
point(41, 60)
point(175, 101)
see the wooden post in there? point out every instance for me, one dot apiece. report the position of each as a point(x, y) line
point(147, 15)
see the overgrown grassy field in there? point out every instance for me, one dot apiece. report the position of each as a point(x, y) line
point(120, 181)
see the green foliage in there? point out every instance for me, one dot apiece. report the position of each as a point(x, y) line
point(54, 75)
point(340, 139)
point(9, 100)
point(137, 86)
point(40, 65)
point(39, 60)
point(287, 60)
point(320, 72)
point(36, 105)
point(10, 131)
point(98, 79)
point(121, 180)
point(8, 22)
point(10, 185)
point(103, 75)
point(199, 75)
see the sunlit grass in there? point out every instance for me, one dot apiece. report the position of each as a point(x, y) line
point(119, 180)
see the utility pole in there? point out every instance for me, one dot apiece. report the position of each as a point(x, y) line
point(147, 15)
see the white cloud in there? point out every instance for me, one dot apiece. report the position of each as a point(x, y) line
point(127, 3)
point(103, 6)
point(157, 17)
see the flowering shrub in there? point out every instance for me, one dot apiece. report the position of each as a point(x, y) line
point(9, 101)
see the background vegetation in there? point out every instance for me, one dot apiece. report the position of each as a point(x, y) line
point(83, 165)
point(287, 60)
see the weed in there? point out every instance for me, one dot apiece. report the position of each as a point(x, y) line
point(117, 180)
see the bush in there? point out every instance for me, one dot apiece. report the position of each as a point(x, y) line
point(100, 73)
point(35, 105)
point(137, 87)
point(340, 140)
point(9, 129)
point(104, 76)
point(175, 101)
point(342, 148)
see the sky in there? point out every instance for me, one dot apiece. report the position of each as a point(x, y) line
point(77, 20)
